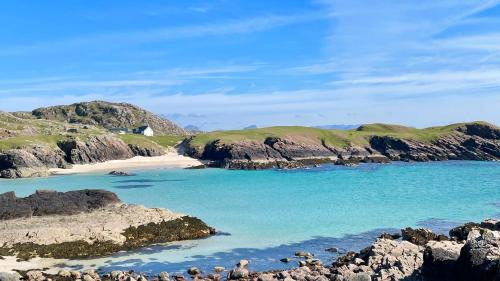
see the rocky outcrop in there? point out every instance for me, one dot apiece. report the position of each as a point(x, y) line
point(281, 153)
point(95, 149)
point(109, 115)
point(86, 223)
point(18, 163)
point(474, 141)
point(146, 151)
point(47, 202)
point(37, 160)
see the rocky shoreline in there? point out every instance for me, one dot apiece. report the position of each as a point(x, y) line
point(86, 223)
point(471, 141)
point(470, 253)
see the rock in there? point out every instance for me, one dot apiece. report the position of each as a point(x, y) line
point(87, 277)
point(461, 232)
point(303, 254)
point(358, 261)
point(178, 277)
point(439, 260)
point(243, 263)
point(480, 257)
point(64, 273)
point(146, 151)
point(164, 276)
point(219, 269)
point(386, 235)
point(194, 271)
point(119, 173)
point(75, 274)
point(265, 277)
point(19, 163)
point(420, 236)
point(358, 277)
point(332, 250)
point(116, 274)
point(5, 276)
point(302, 263)
point(384, 260)
point(491, 224)
point(35, 275)
point(44, 203)
point(109, 115)
point(95, 149)
point(238, 273)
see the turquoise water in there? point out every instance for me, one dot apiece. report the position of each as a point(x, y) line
point(268, 215)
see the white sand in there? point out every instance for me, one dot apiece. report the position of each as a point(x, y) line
point(9, 264)
point(169, 160)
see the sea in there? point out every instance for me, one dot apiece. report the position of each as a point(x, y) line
point(264, 216)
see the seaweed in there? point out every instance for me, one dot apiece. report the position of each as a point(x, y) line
point(184, 228)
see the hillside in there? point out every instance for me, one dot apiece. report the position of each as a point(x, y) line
point(294, 146)
point(108, 115)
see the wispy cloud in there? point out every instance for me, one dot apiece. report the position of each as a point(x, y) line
point(112, 40)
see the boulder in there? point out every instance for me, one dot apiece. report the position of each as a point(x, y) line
point(440, 260)
point(480, 257)
point(420, 236)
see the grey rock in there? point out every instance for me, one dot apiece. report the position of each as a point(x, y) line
point(238, 273)
point(45, 202)
point(5, 276)
point(358, 277)
point(164, 276)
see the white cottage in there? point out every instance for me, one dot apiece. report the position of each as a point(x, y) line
point(144, 130)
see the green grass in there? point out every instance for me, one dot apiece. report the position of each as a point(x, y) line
point(27, 141)
point(163, 141)
point(336, 138)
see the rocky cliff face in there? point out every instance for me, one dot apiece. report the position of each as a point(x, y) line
point(468, 142)
point(35, 161)
point(109, 115)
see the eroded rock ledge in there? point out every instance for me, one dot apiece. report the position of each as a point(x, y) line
point(86, 223)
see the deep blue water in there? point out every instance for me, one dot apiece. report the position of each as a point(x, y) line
point(268, 215)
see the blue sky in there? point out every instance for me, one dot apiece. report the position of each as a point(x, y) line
point(229, 64)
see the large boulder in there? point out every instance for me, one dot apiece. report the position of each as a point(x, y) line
point(480, 257)
point(440, 260)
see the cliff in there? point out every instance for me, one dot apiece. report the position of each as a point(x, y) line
point(35, 161)
point(286, 147)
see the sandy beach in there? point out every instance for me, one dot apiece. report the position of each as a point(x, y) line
point(169, 160)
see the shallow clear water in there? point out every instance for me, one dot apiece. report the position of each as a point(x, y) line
point(268, 215)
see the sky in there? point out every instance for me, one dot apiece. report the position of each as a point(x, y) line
point(228, 64)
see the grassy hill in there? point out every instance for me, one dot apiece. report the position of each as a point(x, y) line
point(336, 138)
point(108, 115)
